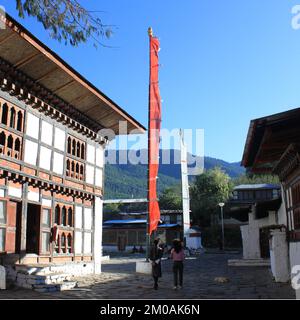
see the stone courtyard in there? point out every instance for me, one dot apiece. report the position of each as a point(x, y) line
point(119, 281)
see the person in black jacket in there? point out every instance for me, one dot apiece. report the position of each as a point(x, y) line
point(156, 254)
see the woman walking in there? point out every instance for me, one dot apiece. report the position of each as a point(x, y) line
point(156, 254)
point(177, 255)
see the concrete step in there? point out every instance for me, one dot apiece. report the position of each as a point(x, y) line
point(66, 285)
point(249, 263)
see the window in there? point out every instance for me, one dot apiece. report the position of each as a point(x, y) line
point(2, 212)
point(57, 245)
point(57, 215)
point(10, 142)
point(70, 217)
point(4, 114)
point(20, 121)
point(63, 244)
point(69, 244)
point(45, 242)
point(83, 226)
point(64, 216)
point(45, 230)
point(78, 149)
point(46, 218)
point(75, 150)
point(82, 151)
point(12, 117)
point(2, 239)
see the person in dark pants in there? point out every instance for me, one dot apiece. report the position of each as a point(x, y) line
point(177, 255)
point(156, 254)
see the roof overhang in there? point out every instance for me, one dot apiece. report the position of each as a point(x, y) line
point(268, 138)
point(27, 54)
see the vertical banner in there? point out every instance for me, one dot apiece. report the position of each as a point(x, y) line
point(185, 189)
point(153, 134)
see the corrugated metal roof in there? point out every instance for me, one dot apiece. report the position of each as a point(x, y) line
point(257, 186)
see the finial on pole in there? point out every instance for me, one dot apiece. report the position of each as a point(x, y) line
point(150, 32)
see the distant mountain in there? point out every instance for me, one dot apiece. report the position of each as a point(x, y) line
point(130, 180)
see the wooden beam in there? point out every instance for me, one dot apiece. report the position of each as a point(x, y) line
point(24, 61)
point(11, 35)
point(64, 86)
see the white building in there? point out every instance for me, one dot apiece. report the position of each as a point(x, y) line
point(272, 147)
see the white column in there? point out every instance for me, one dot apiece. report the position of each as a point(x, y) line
point(2, 278)
point(97, 240)
point(279, 256)
point(250, 237)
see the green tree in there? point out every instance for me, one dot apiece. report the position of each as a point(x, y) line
point(66, 20)
point(209, 189)
point(256, 179)
point(170, 198)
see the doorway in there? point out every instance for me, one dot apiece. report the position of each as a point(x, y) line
point(264, 238)
point(33, 228)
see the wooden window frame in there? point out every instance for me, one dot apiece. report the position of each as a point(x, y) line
point(44, 229)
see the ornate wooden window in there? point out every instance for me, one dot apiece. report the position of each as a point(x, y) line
point(76, 153)
point(64, 218)
point(75, 147)
point(11, 116)
point(10, 144)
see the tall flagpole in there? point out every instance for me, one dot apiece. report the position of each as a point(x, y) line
point(150, 34)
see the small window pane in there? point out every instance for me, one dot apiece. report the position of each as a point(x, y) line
point(2, 212)
point(46, 218)
point(2, 239)
point(45, 242)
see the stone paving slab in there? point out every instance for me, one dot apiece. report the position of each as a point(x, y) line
point(119, 281)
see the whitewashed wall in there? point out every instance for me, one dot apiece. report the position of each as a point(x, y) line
point(30, 152)
point(279, 256)
point(89, 174)
point(78, 242)
point(97, 236)
point(88, 218)
point(47, 133)
point(32, 126)
point(90, 154)
point(58, 163)
point(78, 217)
point(250, 235)
point(45, 158)
point(59, 139)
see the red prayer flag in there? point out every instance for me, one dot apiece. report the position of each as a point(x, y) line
point(153, 135)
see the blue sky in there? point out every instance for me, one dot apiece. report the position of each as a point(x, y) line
point(223, 62)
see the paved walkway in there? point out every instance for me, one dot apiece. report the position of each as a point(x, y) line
point(119, 281)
